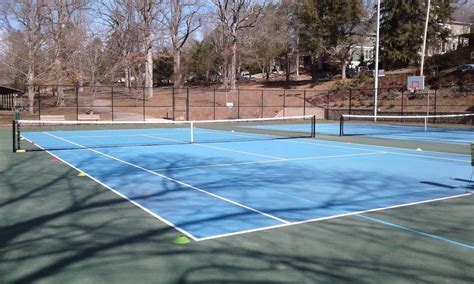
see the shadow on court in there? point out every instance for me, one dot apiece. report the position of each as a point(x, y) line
point(57, 227)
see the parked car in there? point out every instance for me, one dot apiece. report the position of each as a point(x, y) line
point(246, 76)
point(464, 69)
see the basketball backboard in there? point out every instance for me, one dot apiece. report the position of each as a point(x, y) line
point(415, 83)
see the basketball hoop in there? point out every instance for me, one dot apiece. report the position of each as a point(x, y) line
point(413, 90)
point(415, 84)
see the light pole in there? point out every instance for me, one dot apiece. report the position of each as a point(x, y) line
point(376, 73)
point(423, 50)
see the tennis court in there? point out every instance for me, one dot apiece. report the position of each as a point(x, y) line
point(396, 127)
point(230, 182)
point(259, 205)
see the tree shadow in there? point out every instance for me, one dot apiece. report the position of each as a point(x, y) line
point(58, 227)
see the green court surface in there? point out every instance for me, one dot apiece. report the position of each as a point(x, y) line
point(56, 227)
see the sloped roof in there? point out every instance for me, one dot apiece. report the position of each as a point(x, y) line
point(7, 90)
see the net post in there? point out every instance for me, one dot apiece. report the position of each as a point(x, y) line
point(192, 132)
point(313, 126)
point(341, 125)
point(426, 123)
point(14, 144)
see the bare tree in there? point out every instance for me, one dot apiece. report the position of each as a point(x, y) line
point(121, 20)
point(24, 21)
point(63, 20)
point(261, 45)
point(148, 12)
point(182, 18)
point(235, 16)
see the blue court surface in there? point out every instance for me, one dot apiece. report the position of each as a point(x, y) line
point(209, 190)
point(414, 133)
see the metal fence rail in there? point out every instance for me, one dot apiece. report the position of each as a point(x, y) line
point(120, 103)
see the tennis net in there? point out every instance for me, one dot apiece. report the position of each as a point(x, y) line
point(386, 125)
point(63, 135)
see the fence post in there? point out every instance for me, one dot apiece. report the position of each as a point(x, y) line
point(401, 120)
point(350, 101)
point(143, 104)
point(327, 106)
point(238, 103)
point(173, 103)
point(435, 102)
point(187, 103)
point(304, 102)
point(77, 102)
point(39, 105)
point(112, 99)
point(214, 103)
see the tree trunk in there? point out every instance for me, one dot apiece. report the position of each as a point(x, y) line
point(297, 55)
point(225, 70)
point(233, 65)
point(178, 80)
point(30, 81)
point(268, 71)
point(287, 67)
point(149, 68)
point(343, 68)
point(314, 68)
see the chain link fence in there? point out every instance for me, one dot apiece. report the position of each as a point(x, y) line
point(120, 103)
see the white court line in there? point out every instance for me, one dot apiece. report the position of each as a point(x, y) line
point(173, 180)
point(332, 217)
point(218, 148)
point(111, 136)
point(420, 138)
point(316, 143)
point(121, 195)
point(395, 153)
point(276, 161)
point(245, 231)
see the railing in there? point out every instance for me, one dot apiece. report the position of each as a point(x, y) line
point(120, 103)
